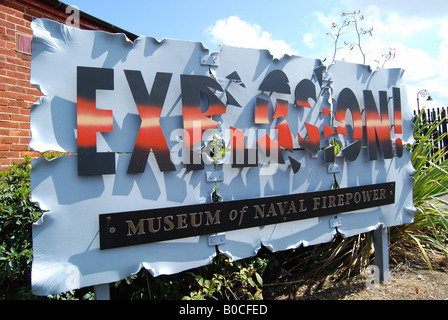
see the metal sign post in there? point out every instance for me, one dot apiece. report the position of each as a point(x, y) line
point(381, 243)
point(102, 291)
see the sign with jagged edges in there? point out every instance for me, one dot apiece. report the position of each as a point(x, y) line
point(174, 152)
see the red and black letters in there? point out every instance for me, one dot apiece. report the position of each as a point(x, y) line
point(371, 121)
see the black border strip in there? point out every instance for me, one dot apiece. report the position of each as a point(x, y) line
point(133, 227)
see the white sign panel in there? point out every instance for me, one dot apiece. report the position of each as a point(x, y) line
point(174, 151)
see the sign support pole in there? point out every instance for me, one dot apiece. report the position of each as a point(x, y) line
point(102, 291)
point(381, 243)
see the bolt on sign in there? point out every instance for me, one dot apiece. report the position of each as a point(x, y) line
point(176, 152)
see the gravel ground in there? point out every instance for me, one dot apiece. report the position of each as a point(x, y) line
point(409, 279)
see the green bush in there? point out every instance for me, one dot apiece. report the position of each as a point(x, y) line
point(17, 215)
point(225, 279)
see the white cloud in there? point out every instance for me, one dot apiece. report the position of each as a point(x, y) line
point(236, 32)
point(418, 64)
point(405, 27)
point(443, 35)
point(308, 40)
point(425, 68)
point(428, 9)
point(421, 70)
point(417, 50)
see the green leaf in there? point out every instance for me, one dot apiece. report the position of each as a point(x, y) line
point(259, 278)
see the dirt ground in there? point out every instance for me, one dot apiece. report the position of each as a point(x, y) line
point(409, 279)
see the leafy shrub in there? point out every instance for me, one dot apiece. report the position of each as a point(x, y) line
point(17, 215)
point(223, 279)
point(228, 280)
point(143, 286)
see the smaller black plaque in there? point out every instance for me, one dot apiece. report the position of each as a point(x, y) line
point(154, 225)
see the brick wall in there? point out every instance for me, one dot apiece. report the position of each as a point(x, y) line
point(16, 93)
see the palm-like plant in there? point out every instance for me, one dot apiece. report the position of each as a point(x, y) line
point(429, 231)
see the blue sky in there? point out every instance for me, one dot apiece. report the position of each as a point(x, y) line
point(416, 30)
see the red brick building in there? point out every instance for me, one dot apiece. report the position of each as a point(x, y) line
point(16, 93)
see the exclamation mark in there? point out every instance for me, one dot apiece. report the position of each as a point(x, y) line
point(398, 127)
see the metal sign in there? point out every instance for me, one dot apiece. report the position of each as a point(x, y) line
point(146, 226)
point(176, 151)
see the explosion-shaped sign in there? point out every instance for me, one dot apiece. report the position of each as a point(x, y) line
point(169, 146)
